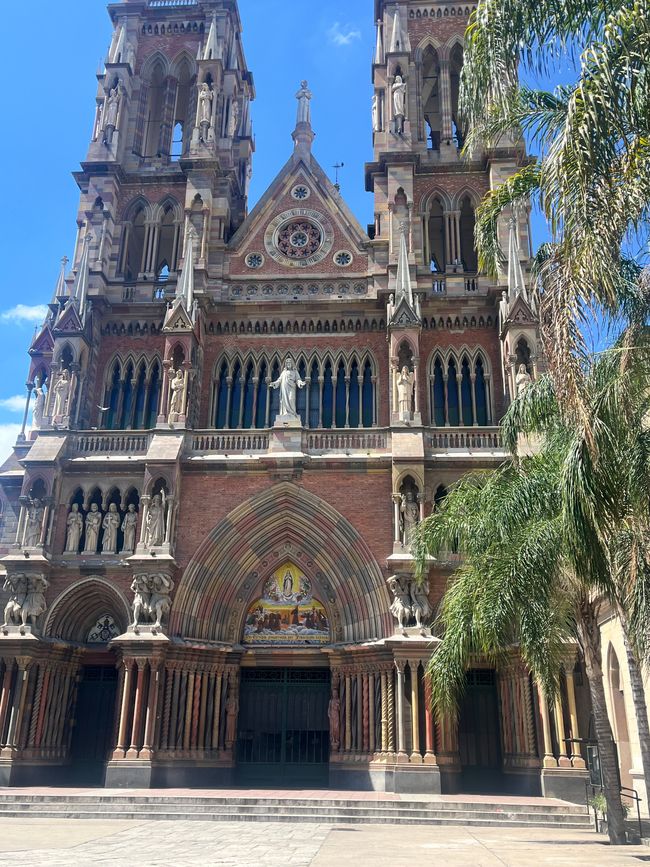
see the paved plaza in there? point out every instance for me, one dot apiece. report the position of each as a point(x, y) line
point(77, 843)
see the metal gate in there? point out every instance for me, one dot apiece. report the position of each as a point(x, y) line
point(283, 729)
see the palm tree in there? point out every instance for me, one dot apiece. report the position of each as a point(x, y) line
point(592, 176)
point(546, 537)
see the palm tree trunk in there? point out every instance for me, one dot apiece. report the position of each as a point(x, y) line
point(638, 700)
point(589, 636)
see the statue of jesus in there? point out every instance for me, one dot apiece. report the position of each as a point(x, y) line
point(288, 381)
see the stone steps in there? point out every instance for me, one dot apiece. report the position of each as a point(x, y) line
point(293, 810)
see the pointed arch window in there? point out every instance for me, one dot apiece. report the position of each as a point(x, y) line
point(354, 404)
point(153, 396)
point(437, 237)
point(261, 417)
point(235, 396)
point(459, 391)
point(249, 397)
point(368, 395)
point(274, 394)
point(221, 402)
point(468, 255)
point(328, 396)
point(315, 405)
point(302, 393)
point(131, 396)
point(341, 397)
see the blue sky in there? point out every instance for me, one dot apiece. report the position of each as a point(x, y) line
point(48, 66)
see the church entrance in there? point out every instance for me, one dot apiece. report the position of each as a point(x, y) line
point(479, 740)
point(283, 736)
point(94, 730)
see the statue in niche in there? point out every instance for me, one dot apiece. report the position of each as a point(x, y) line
point(39, 405)
point(205, 109)
point(420, 601)
point(233, 123)
point(399, 103)
point(93, 526)
point(375, 112)
point(232, 709)
point(504, 308)
point(75, 524)
point(111, 525)
point(34, 523)
point(111, 112)
point(401, 607)
point(129, 525)
point(155, 528)
point(410, 517)
point(304, 96)
point(288, 381)
point(177, 396)
point(334, 714)
point(523, 380)
point(26, 599)
point(61, 397)
point(405, 388)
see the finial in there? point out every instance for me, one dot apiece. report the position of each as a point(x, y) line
point(303, 134)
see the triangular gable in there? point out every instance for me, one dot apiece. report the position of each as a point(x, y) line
point(404, 316)
point(521, 313)
point(325, 194)
point(43, 343)
point(177, 318)
point(69, 321)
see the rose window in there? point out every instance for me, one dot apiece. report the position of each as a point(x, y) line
point(254, 260)
point(300, 192)
point(299, 240)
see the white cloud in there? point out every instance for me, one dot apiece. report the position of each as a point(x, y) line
point(25, 313)
point(13, 404)
point(343, 34)
point(8, 434)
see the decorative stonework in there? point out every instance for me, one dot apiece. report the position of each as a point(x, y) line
point(299, 238)
point(297, 290)
point(254, 261)
point(343, 258)
point(300, 192)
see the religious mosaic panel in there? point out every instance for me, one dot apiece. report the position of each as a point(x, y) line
point(287, 613)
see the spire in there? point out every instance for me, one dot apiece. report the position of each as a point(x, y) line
point(303, 135)
point(60, 290)
point(80, 289)
point(379, 47)
point(185, 288)
point(399, 41)
point(403, 288)
point(516, 281)
point(211, 51)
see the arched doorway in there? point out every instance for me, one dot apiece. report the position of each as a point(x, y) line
point(479, 739)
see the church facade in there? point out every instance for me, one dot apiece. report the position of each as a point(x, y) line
point(239, 419)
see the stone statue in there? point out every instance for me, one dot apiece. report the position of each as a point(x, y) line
point(304, 96)
point(39, 405)
point(155, 528)
point(152, 599)
point(26, 600)
point(334, 714)
point(111, 112)
point(129, 525)
point(93, 526)
point(204, 112)
point(410, 517)
point(401, 607)
point(232, 709)
point(75, 525)
point(288, 381)
point(177, 396)
point(34, 524)
point(375, 113)
point(61, 397)
point(111, 525)
point(504, 306)
point(399, 103)
point(405, 388)
point(420, 601)
point(523, 379)
point(233, 123)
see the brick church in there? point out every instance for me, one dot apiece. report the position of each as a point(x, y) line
point(239, 418)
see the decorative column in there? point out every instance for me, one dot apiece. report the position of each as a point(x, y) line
point(445, 101)
point(549, 759)
point(371, 713)
point(155, 667)
point(396, 508)
point(563, 760)
point(134, 749)
point(576, 757)
point(416, 755)
point(402, 755)
point(6, 694)
point(429, 756)
point(348, 713)
point(18, 705)
point(390, 693)
point(384, 715)
point(123, 733)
